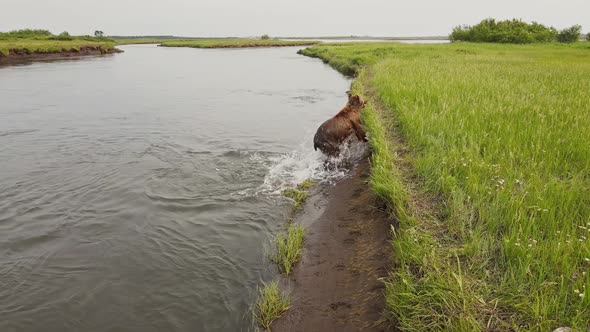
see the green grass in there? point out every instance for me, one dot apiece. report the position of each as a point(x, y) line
point(496, 138)
point(305, 185)
point(31, 46)
point(29, 41)
point(235, 43)
point(289, 248)
point(299, 196)
point(271, 304)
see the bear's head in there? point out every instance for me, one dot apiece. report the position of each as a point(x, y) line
point(356, 102)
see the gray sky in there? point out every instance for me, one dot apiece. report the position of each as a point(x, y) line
point(280, 18)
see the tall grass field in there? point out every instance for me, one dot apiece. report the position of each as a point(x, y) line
point(483, 152)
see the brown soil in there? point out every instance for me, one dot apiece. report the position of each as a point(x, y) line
point(18, 56)
point(337, 286)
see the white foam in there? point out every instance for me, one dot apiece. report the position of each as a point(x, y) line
point(290, 169)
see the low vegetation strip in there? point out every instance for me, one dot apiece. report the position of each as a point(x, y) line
point(272, 303)
point(498, 133)
point(236, 43)
point(32, 42)
point(31, 47)
point(290, 243)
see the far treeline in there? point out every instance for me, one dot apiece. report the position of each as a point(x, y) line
point(39, 34)
point(514, 32)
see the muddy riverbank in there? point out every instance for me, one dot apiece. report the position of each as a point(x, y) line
point(338, 285)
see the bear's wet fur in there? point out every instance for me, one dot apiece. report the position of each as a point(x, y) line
point(332, 133)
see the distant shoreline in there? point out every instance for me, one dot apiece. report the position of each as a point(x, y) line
point(366, 38)
point(170, 38)
point(237, 43)
point(16, 56)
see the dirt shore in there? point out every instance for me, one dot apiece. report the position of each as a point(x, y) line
point(16, 57)
point(337, 286)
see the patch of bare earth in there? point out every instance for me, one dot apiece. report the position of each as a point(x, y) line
point(337, 285)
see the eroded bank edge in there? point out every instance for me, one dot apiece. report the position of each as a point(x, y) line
point(424, 289)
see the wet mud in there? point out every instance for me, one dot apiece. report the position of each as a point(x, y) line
point(338, 284)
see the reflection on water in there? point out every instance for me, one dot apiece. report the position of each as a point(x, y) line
point(138, 191)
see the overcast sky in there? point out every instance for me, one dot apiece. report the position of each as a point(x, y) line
point(280, 17)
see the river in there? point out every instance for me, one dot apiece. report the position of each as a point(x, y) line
point(139, 192)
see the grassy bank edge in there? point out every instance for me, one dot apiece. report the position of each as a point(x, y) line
point(33, 47)
point(426, 289)
point(423, 291)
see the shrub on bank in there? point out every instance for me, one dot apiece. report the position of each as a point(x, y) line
point(509, 31)
point(62, 36)
point(569, 35)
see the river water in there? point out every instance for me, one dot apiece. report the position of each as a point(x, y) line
point(138, 192)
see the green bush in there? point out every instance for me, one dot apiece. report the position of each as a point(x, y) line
point(510, 31)
point(265, 37)
point(62, 36)
point(569, 35)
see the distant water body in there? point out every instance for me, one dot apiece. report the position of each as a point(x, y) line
point(138, 192)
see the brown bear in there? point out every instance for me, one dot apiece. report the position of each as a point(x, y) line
point(336, 130)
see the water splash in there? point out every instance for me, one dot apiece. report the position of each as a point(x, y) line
point(290, 169)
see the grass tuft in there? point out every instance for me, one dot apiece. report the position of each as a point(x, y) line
point(271, 304)
point(305, 185)
point(297, 195)
point(289, 248)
